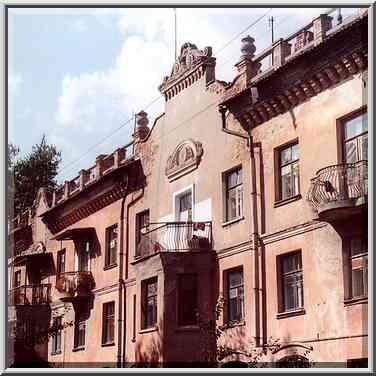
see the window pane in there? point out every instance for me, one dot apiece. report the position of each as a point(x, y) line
point(295, 152)
point(232, 179)
point(241, 303)
point(295, 177)
point(358, 278)
point(364, 145)
point(285, 156)
point(232, 309)
point(356, 126)
point(186, 202)
point(239, 201)
point(111, 245)
point(232, 202)
point(291, 263)
point(152, 289)
point(235, 278)
point(351, 152)
point(293, 291)
point(286, 182)
point(235, 295)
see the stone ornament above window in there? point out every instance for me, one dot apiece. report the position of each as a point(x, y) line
point(185, 158)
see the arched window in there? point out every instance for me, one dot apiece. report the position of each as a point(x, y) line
point(235, 364)
point(293, 361)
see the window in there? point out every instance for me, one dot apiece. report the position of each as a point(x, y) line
point(108, 323)
point(60, 262)
point(187, 299)
point(288, 172)
point(149, 303)
point(359, 267)
point(235, 297)
point(355, 139)
point(79, 330)
point(142, 224)
point(291, 281)
point(56, 337)
point(234, 194)
point(111, 245)
point(17, 278)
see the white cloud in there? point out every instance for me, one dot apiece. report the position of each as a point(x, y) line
point(91, 105)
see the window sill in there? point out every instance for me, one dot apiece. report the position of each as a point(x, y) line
point(108, 344)
point(287, 200)
point(227, 223)
point(80, 348)
point(187, 328)
point(357, 300)
point(233, 324)
point(107, 267)
point(296, 312)
point(56, 353)
point(149, 330)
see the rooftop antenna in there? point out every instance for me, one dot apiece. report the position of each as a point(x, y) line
point(134, 128)
point(175, 33)
point(271, 26)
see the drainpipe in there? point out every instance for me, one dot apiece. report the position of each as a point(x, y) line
point(121, 281)
point(254, 221)
point(255, 241)
point(122, 289)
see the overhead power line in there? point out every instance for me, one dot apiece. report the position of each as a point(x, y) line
point(72, 163)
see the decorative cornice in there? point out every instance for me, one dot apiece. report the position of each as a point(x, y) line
point(188, 68)
point(185, 158)
point(335, 54)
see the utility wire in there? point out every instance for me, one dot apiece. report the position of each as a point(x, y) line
point(106, 137)
point(159, 97)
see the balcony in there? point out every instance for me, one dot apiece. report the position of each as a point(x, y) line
point(339, 190)
point(30, 295)
point(74, 285)
point(175, 237)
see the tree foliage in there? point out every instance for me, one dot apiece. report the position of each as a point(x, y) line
point(214, 351)
point(26, 175)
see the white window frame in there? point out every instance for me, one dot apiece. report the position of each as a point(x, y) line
point(175, 200)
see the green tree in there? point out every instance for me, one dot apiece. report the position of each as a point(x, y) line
point(37, 169)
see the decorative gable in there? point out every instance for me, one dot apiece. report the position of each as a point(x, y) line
point(185, 158)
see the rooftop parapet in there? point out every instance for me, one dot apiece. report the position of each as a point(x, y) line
point(253, 69)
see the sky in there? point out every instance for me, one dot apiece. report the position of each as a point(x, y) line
point(76, 75)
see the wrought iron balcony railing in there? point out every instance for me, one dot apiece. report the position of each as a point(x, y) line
point(75, 284)
point(175, 237)
point(338, 183)
point(30, 295)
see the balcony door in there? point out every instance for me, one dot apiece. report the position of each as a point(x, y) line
point(355, 155)
point(83, 257)
point(183, 230)
point(185, 207)
point(355, 140)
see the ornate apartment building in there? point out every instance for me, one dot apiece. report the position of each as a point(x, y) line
point(252, 192)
